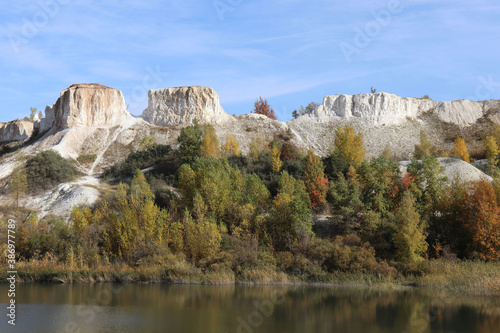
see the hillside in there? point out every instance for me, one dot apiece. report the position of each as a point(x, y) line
point(89, 124)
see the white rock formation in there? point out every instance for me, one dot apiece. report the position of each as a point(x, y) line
point(83, 105)
point(177, 106)
point(16, 130)
point(454, 167)
point(61, 200)
point(389, 109)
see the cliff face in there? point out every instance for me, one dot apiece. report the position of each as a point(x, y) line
point(389, 109)
point(86, 105)
point(174, 106)
point(16, 130)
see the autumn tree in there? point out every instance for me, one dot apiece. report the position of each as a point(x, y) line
point(492, 151)
point(482, 222)
point(349, 146)
point(309, 109)
point(292, 213)
point(315, 180)
point(276, 159)
point(133, 225)
point(258, 146)
point(210, 144)
point(231, 146)
point(425, 148)
point(460, 149)
point(410, 238)
point(261, 106)
point(190, 141)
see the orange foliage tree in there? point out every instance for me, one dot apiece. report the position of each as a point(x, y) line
point(482, 222)
point(461, 149)
point(315, 179)
point(261, 106)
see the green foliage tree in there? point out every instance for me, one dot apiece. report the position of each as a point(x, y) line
point(379, 180)
point(48, 169)
point(216, 181)
point(18, 184)
point(344, 197)
point(33, 112)
point(292, 213)
point(261, 106)
point(427, 183)
point(410, 238)
point(190, 141)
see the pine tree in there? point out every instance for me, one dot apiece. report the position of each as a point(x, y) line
point(461, 149)
point(315, 179)
point(190, 141)
point(410, 237)
point(210, 143)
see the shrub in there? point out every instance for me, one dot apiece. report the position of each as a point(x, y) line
point(48, 169)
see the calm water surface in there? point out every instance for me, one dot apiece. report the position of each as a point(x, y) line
point(218, 309)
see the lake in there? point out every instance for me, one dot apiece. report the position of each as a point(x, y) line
point(217, 309)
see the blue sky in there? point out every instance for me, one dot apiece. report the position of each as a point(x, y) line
point(291, 52)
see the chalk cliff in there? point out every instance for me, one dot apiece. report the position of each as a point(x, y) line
point(181, 105)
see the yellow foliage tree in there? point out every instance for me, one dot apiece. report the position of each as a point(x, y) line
point(258, 146)
point(202, 238)
point(350, 145)
point(492, 151)
point(461, 149)
point(231, 146)
point(210, 143)
point(276, 159)
point(425, 148)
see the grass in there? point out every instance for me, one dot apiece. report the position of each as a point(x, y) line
point(462, 277)
point(472, 277)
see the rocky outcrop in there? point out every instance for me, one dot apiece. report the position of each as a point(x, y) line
point(453, 167)
point(388, 109)
point(177, 106)
point(16, 130)
point(86, 105)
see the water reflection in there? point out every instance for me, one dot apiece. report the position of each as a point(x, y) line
point(218, 309)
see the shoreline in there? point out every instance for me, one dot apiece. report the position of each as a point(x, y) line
point(470, 285)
